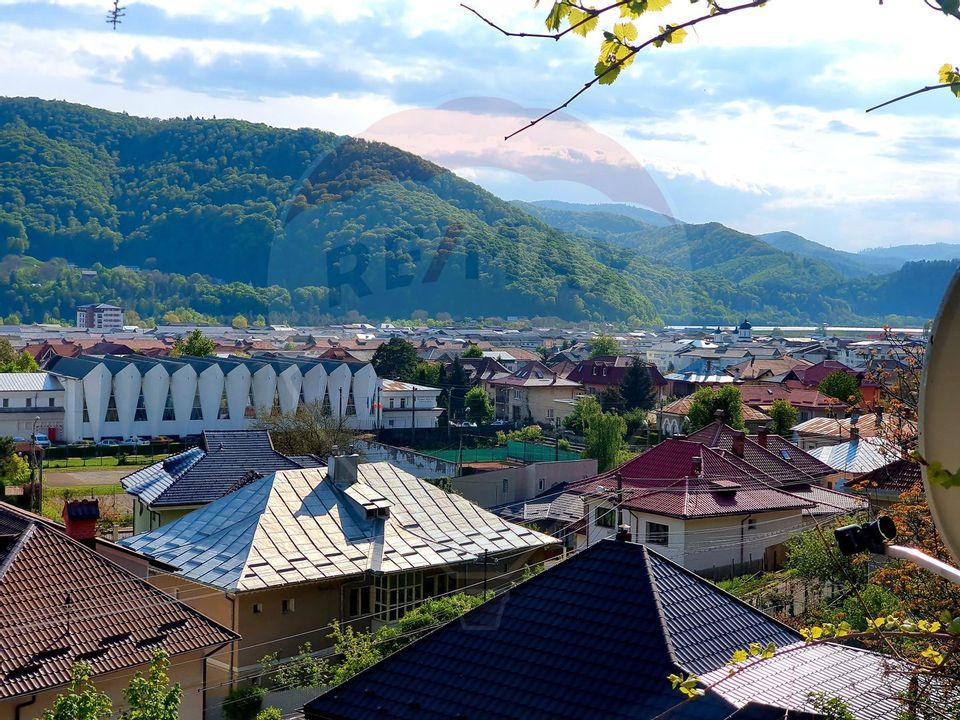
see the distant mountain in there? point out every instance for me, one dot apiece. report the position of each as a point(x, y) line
point(705, 271)
point(900, 254)
point(847, 263)
point(222, 217)
point(648, 217)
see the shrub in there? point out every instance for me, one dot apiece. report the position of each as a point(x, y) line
point(270, 713)
point(243, 703)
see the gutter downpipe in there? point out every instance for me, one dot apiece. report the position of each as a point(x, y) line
point(21, 706)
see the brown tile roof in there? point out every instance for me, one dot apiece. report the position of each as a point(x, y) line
point(682, 407)
point(61, 602)
point(840, 428)
point(534, 374)
point(762, 396)
point(895, 478)
point(756, 368)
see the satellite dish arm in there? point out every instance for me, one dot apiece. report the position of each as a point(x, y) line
point(925, 561)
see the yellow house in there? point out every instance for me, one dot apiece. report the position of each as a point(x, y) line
point(282, 557)
point(530, 395)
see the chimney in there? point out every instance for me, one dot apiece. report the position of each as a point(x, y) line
point(624, 534)
point(342, 469)
point(762, 434)
point(718, 416)
point(80, 518)
point(697, 466)
point(854, 433)
point(738, 438)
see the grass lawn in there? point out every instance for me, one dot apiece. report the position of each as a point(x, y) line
point(83, 491)
point(79, 465)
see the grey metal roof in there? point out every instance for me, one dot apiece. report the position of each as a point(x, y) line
point(29, 382)
point(297, 526)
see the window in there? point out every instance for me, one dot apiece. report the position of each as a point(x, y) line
point(437, 585)
point(605, 517)
point(389, 423)
point(358, 603)
point(29, 402)
point(549, 413)
point(540, 484)
point(517, 395)
point(751, 524)
point(51, 402)
point(168, 411)
point(257, 608)
point(658, 534)
point(390, 404)
point(224, 411)
point(6, 402)
point(141, 412)
point(396, 594)
point(506, 485)
point(403, 403)
point(111, 414)
point(197, 412)
point(288, 606)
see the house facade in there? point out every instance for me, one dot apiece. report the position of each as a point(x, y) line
point(530, 395)
point(24, 397)
point(408, 405)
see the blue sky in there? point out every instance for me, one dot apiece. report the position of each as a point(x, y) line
point(756, 121)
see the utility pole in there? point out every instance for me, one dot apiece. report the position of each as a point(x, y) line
point(485, 552)
point(413, 413)
point(619, 500)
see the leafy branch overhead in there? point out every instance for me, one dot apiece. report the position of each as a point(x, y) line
point(621, 40)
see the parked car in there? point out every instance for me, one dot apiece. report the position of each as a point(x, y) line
point(108, 442)
point(42, 440)
point(134, 440)
point(500, 422)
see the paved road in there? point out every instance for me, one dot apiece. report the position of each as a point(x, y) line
point(66, 478)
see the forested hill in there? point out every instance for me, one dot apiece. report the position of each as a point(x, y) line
point(226, 217)
point(393, 232)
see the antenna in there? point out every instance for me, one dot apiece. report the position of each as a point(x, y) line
point(115, 13)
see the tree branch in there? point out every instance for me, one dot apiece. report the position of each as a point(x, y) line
point(928, 88)
point(661, 37)
point(548, 36)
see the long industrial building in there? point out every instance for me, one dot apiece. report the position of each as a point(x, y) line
point(124, 395)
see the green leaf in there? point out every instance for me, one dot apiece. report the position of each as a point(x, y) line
point(610, 76)
point(769, 651)
point(755, 649)
point(582, 22)
point(558, 12)
point(739, 656)
point(949, 7)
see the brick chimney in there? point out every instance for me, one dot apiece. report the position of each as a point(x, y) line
point(762, 434)
point(854, 433)
point(738, 438)
point(697, 466)
point(718, 416)
point(80, 518)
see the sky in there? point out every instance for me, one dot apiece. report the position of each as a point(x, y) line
point(756, 121)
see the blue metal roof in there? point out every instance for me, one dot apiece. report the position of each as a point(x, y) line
point(75, 368)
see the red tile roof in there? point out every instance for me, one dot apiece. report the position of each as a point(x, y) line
point(762, 396)
point(895, 478)
point(61, 602)
point(682, 407)
point(811, 376)
point(662, 481)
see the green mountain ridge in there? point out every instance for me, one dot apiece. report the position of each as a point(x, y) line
point(303, 226)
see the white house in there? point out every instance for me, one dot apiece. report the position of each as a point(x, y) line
point(25, 397)
point(406, 405)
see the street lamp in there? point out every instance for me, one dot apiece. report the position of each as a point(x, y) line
point(38, 463)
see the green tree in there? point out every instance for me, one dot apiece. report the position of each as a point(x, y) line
point(604, 346)
point(706, 402)
point(395, 359)
point(195, 344)
point(479, 407)
point(584, 409)
point(153, 697)
point(270, 713)
point(784, 416)
point(473, 351)
point(814, 555)
point(605, 439)
point(456, 375)
point(82, 701)
point(610, 399)
point(636, 387)
point(13, 362)
point(239, 322)
point(302, 671)
point(842, 386)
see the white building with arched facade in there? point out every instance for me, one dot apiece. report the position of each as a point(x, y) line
point(124, 395)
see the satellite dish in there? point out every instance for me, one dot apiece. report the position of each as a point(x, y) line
point(939, 415)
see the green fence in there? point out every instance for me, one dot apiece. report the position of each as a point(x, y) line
point(67, 456)
point(514, 450)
